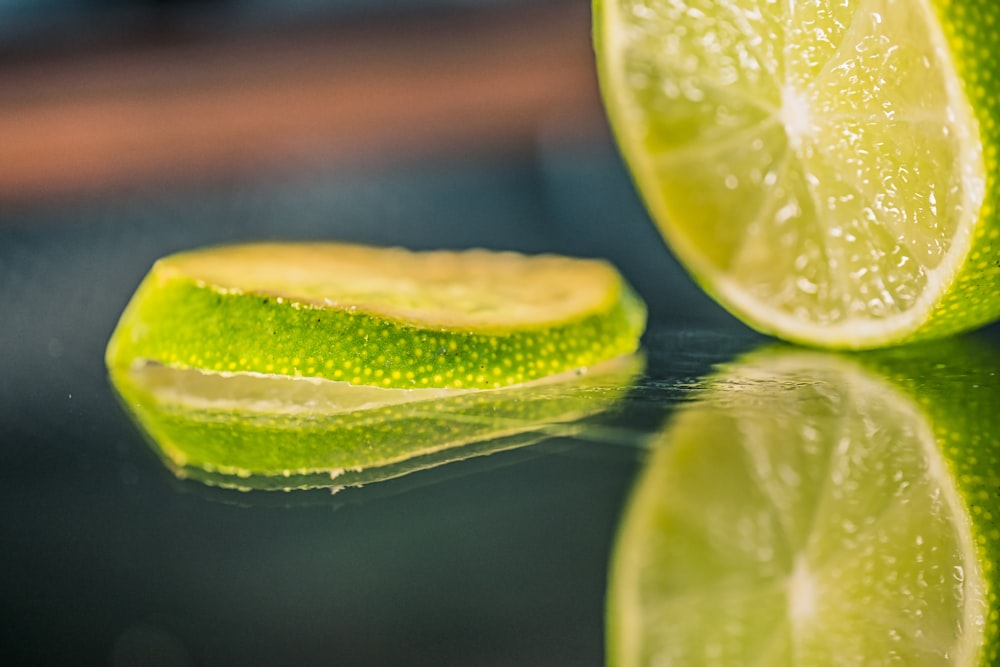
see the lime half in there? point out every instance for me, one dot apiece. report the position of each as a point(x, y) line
point(823, 167)
point(809, 511)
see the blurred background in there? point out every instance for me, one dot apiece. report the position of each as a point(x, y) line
point(130, 129)
point(102, 94)
point(431, 122)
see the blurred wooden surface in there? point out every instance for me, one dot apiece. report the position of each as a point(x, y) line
point(351, 92)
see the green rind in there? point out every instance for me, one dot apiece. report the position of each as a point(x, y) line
point(266, 448)
point(184, 324)
point(970, 298)
point(971, 28)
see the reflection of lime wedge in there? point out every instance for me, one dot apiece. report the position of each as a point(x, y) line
point(378, 317)
point(809, 511)
point(272, 432)
point(826, 168)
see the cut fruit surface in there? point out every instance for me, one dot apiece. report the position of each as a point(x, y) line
point(824, 168)
point(378, 316)
point(476, 289)
point(813, 509)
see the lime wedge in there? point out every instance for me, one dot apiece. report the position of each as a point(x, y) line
point(377, 316)
point(824, 168)
point(811, 509)
point(278, 433)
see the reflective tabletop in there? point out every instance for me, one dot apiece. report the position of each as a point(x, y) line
point(496, 556)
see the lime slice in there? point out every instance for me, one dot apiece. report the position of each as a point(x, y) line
point(811, 510)
point(272, 432)
point(378, 317)
point(824, 168)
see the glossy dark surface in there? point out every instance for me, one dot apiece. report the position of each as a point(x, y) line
point(108, 559)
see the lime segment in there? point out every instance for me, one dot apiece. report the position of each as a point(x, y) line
point(378, 317)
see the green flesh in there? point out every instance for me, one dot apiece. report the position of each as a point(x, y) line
point(819, 510)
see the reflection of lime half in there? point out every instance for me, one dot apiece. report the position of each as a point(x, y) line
point(249, 431)
point(807, 511)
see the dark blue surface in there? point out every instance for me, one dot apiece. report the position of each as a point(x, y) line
point(502, 560)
